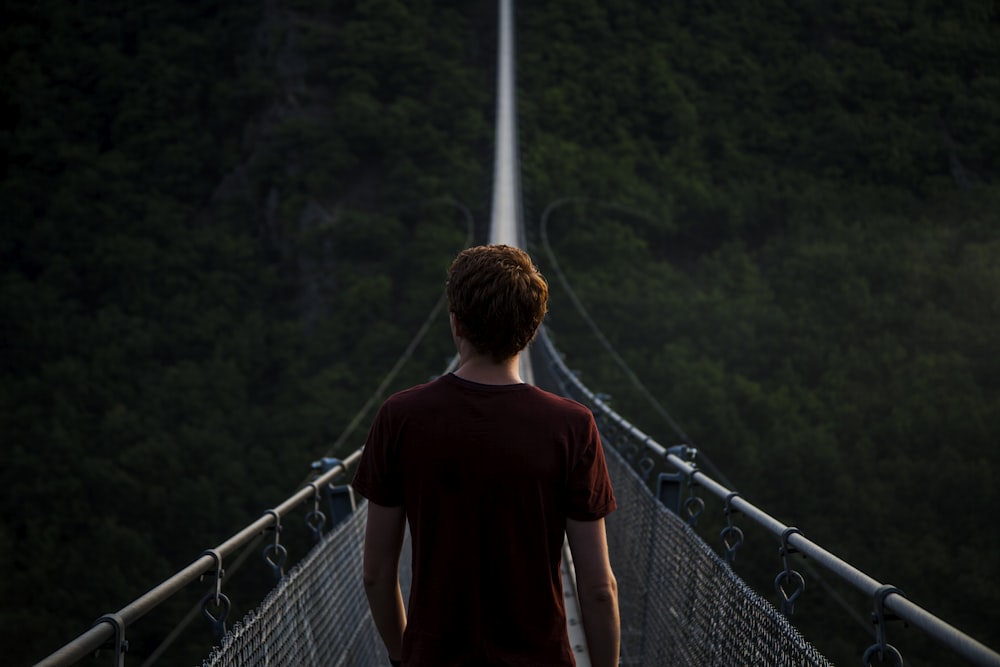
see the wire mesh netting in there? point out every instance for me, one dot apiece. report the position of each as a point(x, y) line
point(680, 603)
point(317, 615)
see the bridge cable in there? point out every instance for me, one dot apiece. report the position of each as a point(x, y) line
point(378, 393)
point(251, 547)
point(603, 339)
point(814, 572)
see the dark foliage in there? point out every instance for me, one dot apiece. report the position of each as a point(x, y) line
point(223, 222)
point(790, 235)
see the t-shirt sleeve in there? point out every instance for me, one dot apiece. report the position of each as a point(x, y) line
point(378, 475)
point(590, 494)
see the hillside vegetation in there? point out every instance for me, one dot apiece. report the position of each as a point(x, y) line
point(786, 223)
point(223, 223)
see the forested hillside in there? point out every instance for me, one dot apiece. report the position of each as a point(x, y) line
point(223, 222)
point(788, 228)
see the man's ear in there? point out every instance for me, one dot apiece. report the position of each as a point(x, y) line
point(456, 326)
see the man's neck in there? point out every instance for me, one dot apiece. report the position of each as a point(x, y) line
point(482, 369)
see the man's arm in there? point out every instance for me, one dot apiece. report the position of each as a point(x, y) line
point(597, 589)
point(383, 541)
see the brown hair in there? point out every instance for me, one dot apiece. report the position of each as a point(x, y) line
point(498, 297)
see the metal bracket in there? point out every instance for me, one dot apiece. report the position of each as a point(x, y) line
point(118, 643)
point(668, 487)
point(882, 649)
point(693, 505)
point(218, 622)
point(315, 518)
point(645, 467)
point(339, 499)
point(731, 536)
point(788, 577)
point(276, 561)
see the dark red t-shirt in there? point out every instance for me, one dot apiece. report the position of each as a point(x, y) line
point(488, 475)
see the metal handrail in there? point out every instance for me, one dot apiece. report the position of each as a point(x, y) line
point(96, 637)
point(506, 218)
point(953, 638)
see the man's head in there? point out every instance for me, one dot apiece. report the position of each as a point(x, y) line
point(498, 298)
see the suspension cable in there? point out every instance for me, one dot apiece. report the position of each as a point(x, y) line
point(349, 429)
point(956, 640)
point(636, 382)
point(414, 342)
point(702, 457)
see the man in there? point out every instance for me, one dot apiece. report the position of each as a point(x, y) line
point(490, 473)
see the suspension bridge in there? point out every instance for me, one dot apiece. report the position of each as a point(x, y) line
point(681, 603)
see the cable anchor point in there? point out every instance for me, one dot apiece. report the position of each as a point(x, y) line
point(694, 506)
point(789, 584)
point(275, 554)
point(731, 535)
point(882, 650)
point(645, 467)
point(315, 519)
point(222, 603)
point(118, 643)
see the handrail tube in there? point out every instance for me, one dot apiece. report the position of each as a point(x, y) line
point(505, 217)
point(966, 646)
point(92, 640)
point(899, 604)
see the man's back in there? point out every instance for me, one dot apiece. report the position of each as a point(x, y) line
point(488, 475)
point(489, 472)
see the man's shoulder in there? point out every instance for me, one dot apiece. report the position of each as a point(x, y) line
point(562, 403)
point(446, 387)
point(416, 393)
